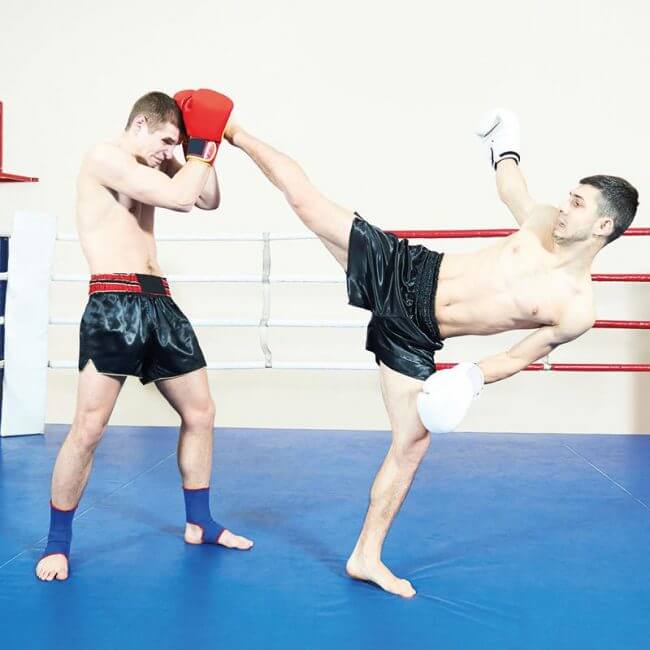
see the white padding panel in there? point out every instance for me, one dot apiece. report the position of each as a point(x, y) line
point(31, 249)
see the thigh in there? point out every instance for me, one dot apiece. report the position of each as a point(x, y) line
point(97, 392)
point(400, 398)
point(330, 222)
point(187, 393)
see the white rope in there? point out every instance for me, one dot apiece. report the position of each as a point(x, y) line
point(248, 322)
point(250, 365)
point(266, 303)
point(242, 237)
point(220, 279)
point(4, 276)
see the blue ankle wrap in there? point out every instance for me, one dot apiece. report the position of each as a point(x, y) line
point(197, 512)
point(60, 535)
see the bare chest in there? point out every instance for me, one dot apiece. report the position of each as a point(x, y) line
point(527, 278)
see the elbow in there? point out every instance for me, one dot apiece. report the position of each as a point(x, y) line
point(214, 204)
point(201, 204)
point(182, 206)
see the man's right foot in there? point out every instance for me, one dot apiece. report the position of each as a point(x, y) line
point(51, 567)
point(361, 569)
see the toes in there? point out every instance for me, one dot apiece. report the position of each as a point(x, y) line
point(229, 540)
point(244, 543)
point(406, 589)
point(240, 543)
point(48, 571)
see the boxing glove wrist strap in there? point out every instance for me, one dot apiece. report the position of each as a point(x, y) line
point(202, 150)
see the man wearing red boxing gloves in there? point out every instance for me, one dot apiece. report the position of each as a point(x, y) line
point(536, 279)
point(131, 325)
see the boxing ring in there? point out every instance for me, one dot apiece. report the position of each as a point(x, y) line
point(511, 541)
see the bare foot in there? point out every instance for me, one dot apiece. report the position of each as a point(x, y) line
point(376, 571)
point(194, 535)
point(51, 567)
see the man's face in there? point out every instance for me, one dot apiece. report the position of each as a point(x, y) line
point(579, 217)
point(154, 147)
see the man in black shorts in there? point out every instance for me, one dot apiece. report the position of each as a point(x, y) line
point(131, 325)
point(537, 279)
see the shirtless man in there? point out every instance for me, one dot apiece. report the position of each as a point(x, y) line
point(131, 325)
point(538, 278)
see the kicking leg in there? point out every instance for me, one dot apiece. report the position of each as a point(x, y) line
point(326, 219)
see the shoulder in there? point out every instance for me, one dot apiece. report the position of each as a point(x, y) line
point(105, 153)
point(540, 221)
point(106, 163)
point(541, 215)
point(103, 150)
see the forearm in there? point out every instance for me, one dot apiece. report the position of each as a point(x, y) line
point(279, 168)
point(501, 366)
point(511, 184)
point(210, 196)
point(188, 184)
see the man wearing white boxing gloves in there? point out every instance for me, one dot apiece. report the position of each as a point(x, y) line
point(538, 279)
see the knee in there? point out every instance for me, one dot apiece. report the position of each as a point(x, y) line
point(199, 419)
point(303, 201)
point(88, 428)
point(411, 450)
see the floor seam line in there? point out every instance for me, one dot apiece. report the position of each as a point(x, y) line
point(93, 506)
point(609, 478)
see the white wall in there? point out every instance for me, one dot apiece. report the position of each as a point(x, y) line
point(377, 100)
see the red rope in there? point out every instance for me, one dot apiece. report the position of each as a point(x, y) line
point(577, 367)
point(486, 232)
point(621, 277)
point(623, 324)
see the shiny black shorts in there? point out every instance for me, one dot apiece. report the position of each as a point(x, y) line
point(397, 283)
point(131, 326)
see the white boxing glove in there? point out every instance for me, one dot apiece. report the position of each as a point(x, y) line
point(499, 131)
point(447, 395)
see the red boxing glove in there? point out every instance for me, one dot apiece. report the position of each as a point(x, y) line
point(205, 114)
point(182, 96)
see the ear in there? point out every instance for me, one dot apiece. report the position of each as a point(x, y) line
point(139, 122)
point(605, 226)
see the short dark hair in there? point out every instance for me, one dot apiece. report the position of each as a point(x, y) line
point(157, 108)
point(618, 200)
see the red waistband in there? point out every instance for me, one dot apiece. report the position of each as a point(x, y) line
point(129, 283)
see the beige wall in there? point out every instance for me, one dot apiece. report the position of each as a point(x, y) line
point(377, 100)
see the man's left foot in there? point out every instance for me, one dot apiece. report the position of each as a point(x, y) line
point(360, 568)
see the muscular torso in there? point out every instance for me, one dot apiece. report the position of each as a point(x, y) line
point(516, 283)
point(116, 232)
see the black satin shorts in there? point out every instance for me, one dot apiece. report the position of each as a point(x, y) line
point(397, 283)
point(132, 326)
